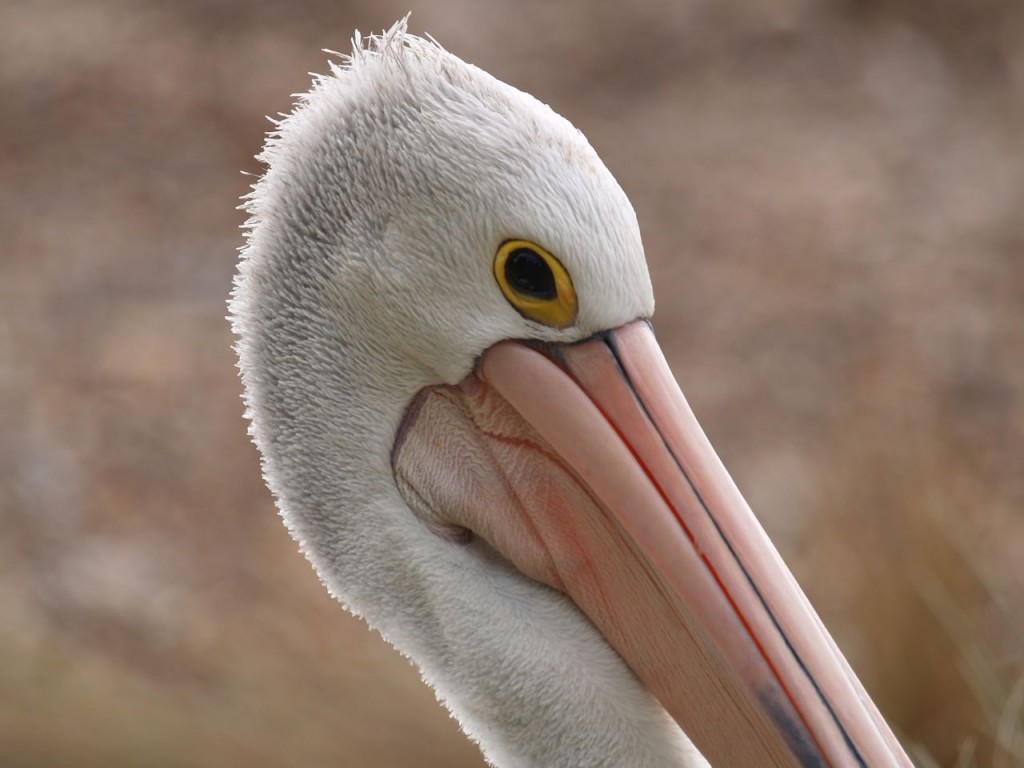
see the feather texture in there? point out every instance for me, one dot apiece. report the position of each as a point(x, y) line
point(365, 278)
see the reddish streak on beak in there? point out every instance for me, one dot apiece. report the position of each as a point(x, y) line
point(705, 612)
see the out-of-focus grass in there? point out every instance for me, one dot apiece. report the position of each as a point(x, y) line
point(831, 199)
point(931, 587)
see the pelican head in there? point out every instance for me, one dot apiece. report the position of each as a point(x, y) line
point(468, 426)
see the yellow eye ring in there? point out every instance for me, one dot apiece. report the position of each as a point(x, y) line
point(535, 283)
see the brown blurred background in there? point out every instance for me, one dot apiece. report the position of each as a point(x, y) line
point(832, 196)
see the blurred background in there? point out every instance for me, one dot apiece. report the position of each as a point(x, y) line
point(832, 199)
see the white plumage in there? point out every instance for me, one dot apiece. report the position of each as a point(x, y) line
point(359, 286)
point(367, 277)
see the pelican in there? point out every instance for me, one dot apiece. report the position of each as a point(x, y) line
point(442, 318)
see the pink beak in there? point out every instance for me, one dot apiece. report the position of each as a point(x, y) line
point(602, 484)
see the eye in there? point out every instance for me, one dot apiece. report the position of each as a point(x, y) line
point(535, 283)
point(529, 275)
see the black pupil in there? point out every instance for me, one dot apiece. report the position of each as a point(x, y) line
point(529, 275)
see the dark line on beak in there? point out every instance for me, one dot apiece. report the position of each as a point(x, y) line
point(799, 745)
